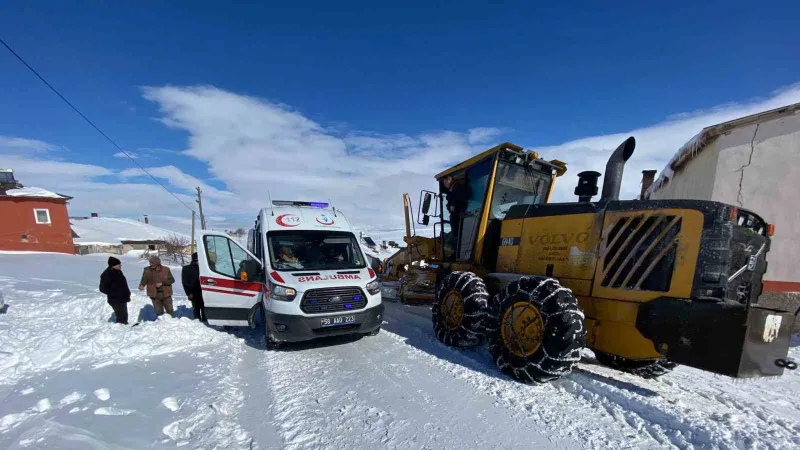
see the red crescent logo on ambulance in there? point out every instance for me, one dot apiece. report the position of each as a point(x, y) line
point(325, 220)
point(288, 220)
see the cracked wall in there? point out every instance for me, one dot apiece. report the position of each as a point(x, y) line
point(757, 167)
point(768, 183)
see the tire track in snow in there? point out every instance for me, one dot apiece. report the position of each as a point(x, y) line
point(666, 417)
point(564, 412)
point(687, 410)
point(544, 402)
point(346, 396)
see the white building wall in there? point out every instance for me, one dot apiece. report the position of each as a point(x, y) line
point(769, 185)
point(694, 180)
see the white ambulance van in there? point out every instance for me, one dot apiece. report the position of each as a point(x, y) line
point(303, 267)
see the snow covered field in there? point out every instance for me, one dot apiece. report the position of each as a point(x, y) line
point(69, 378)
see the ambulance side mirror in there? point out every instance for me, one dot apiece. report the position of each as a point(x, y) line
point(250, 270)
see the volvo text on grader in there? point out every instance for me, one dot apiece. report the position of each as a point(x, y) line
point(644, 284)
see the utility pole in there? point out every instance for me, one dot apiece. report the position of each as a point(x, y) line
point(194, 249)
point(200, 202)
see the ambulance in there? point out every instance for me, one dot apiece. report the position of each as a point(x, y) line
point(302, 267)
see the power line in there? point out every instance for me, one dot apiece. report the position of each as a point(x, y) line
point(91, 123)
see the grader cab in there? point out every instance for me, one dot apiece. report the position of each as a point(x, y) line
point(645, 284)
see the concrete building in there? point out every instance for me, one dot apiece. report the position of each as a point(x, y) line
point(754, 163)
point(32, 219)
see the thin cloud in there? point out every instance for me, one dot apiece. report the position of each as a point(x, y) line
point(10, 143)
point(180, 179)
point(155, 150)
point(123, 155)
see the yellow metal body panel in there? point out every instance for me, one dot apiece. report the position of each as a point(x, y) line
point(686, 242)
point(550, 192)
point(567, 242)
point(478, 249)
point(578, 287)
point(508, 255)
point(611, 328)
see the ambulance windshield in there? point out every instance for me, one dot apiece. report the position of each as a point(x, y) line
point(314, 250)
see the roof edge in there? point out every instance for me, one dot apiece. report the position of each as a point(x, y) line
point(479, 157)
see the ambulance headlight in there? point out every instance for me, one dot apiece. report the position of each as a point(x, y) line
point(373, 287)
point(282, 293)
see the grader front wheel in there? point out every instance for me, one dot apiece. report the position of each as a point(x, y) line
point(460, 310)
point(540, 330)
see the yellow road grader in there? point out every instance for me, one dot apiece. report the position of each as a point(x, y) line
point(644, 284)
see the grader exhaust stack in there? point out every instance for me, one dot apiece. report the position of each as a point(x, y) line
point(612, 181)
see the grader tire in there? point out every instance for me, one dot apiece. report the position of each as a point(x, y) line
point(460, 310)
point(540, 331)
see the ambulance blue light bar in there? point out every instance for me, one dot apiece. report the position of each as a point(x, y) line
point(296, 203)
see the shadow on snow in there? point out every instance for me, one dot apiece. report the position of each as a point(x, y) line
point(254, 338)
point(148, 314)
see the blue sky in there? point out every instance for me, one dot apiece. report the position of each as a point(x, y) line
point(350, 78)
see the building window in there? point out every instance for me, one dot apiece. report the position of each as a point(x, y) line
point(151, 247)
point(42, 216)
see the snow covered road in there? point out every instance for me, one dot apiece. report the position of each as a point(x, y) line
point(71, 379)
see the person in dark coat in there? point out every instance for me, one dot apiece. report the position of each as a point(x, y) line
point(190, 277)
point(456, 197)
point(457, 200)
point(114, 284)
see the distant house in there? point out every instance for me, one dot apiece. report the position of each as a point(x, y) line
point(120, 236)
point(32, 219)
point(754, 163)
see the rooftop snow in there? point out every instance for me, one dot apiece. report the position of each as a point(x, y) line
point(110, 231)
point(33, 192)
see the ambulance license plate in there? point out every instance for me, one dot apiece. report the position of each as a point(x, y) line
point(337, 321)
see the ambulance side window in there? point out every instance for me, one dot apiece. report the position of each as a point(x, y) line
point(229, 259)
point(218, 252)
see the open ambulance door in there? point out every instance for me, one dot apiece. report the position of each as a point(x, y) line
point(232, 280)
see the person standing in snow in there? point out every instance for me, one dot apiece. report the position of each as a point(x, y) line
point(114, 284)
point(190, 277)
point(158, 280)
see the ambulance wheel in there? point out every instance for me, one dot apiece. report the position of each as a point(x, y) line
point(540, 331)
point(460, 310)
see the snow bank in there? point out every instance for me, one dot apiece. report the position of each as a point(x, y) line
point(72, 323)
point(66, 369)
